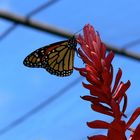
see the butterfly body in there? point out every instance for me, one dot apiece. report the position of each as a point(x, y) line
point(56, 58)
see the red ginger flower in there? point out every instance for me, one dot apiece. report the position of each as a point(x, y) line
point(104, 97)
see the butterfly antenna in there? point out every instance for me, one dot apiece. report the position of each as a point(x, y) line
point(78, 31)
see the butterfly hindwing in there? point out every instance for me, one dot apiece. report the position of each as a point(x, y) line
point(56, 58)
point(59, 62)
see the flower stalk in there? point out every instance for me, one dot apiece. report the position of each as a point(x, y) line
point(105, 95)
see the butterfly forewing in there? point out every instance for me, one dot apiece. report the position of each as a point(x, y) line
point(56, 58)
point(34, 59)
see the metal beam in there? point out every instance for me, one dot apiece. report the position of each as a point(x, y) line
point(59, 32)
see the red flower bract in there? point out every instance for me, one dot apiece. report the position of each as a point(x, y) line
point(105, 96)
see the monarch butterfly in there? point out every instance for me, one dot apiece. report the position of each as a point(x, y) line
point(56, 58)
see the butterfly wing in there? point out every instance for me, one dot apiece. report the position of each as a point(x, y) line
point(57, 58)
point(60, 60)
point(34, 60)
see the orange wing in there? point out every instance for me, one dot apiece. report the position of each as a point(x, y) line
point(57, 58)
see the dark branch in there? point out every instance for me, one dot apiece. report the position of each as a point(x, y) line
point(34, 24)
point(59, 32)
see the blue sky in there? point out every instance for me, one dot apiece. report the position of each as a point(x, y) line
point(22, 89)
